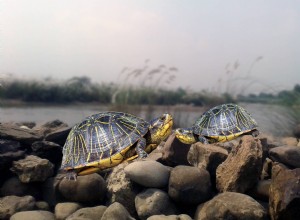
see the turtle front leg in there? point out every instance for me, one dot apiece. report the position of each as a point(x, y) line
point(140, 148)
point(203, 140)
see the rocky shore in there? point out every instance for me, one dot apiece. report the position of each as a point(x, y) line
point(247, 178)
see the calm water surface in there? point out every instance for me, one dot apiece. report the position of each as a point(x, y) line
point(277, 120)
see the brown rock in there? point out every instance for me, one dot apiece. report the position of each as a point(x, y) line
point(288, 155)
point(284, 199)
point(242, 168)
point(261, 190)
point(297, 131)
point(65, 209)
point(90, 213)
point(116, 211)
point(289, 141)
point(33, 215)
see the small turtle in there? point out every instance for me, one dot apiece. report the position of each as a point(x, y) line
point(219, 124)
point(106, 139)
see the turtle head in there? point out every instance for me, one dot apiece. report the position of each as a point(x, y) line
point(185, 135)
point(160, 128)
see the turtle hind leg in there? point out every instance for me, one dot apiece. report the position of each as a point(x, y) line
point(203, 140)
point(140, 148)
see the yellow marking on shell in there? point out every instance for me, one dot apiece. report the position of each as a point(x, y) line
point(97, 135)
point(113, 134)
point(122, 129)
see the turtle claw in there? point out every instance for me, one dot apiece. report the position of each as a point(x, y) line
point(71, 176)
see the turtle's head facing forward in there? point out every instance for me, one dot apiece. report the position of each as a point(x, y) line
point(160, 128)
point(185, 135)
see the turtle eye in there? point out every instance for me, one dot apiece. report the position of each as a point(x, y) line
point(163, 118)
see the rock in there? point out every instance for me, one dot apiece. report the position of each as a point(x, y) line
point(174, 152)
point(288, 155)
point(148, 173)
point(13, 186)
point(42, 205)
point(121, 189)
point(9, 205)
point(170, 217)
point(13, 132)
point(267, 169)
point(28, 124)
point(9, 152)
point(65, 209)
point(33, 169)
point(33, 215)
point(230, 205)
point(116, 211)
point(229, 145)
point(153, 202)
point(50, 190)
point(242, 168)
point(87, 189)
point(261, 190)
point(189, 185)
point(284, 199)
point(289, 141)
point(47, 150)
point(58, 136)
point(297, 131)
point(206, 156)
point(91, 213)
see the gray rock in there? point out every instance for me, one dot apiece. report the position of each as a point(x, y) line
point(33, 169)
point(189, 185)
point(296, 131)
point(58, 136)
point(284, 192)
point(9, 152)
point(47, 150)
point(91, 213)
point(65, 209)
point(121, 189)
point(288, 155)
point(50, 191)
point(174, 152)
point(33, 215)
point(87, 189)
point(242, 168)
point(13, 132)
point(42, 205)
point(9, 205)
point(153, 202)
point(207, 156)
point(116, 211)
point(170, 217)
point(230, 205)
point(148, 173)
point(13, 186)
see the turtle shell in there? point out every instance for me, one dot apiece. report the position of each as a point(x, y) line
point(101, 136)
point(223, 120)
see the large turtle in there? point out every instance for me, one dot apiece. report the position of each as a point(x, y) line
point(106, 139)
point(219, 124)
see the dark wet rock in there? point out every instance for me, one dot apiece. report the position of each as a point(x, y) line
point(90, 213)
point(297, 131)
point(9, 151)
point(261, 190)
point(47, 150)
point(86, 189)
point(148, 173)
point(50, 191)
point(33, 215)
point(65, 209)
point(13, 132)
point(231, 205)
point(206, 156)
point(121, 189)
point(42, 205)
point(33, 169)
point(288, 155)
point(242, 168)
point(154, 202)
point(189, 185)
point(284, 199)
point(9, 205)
point(58, 136)
point(174, 152)
point(13, 186)
point(116, 211)
point(266, 172)
point(170, 217)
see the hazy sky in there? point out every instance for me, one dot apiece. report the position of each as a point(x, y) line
point(65, 38)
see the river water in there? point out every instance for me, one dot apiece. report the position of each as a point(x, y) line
point(277, 120)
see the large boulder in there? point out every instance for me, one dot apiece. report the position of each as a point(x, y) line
point(189, 185)
point(33, 215)
point(148, 173)
point(288, 155)
point(89, 213)
point(284, 193)
point(9, 205)
point(231, 205)
point(116, 211)
point(242, 168)
point(153, 202)
point(86, 189)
